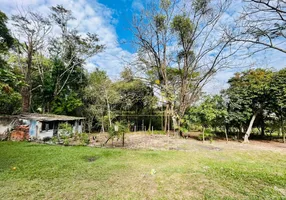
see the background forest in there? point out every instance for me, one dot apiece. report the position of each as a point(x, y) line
point(162, 89)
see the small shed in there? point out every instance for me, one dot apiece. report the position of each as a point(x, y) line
point(39, 126)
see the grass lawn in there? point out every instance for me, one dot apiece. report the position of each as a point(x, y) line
point(35, 171)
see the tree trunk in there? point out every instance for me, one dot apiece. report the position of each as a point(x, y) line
point(282, 129)
point(26, 90)
point(247, 134)
point(203, 134)
point(102, 124)
point(241, 129)
point(166, 118)
point(262, 128)
point(226, 136)
point(25, 93)
point(123, 139)
point(108, 110)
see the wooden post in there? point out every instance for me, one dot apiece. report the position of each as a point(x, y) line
point(152, 130)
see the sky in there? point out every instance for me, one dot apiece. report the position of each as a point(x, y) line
point(111, 20)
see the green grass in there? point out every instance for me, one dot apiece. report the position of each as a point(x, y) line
point(59, 172)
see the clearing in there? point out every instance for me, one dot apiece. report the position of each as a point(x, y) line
point(197, 171)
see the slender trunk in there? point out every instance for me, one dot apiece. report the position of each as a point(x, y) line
point(166, 118)
point(26, 90)
point(226, 136)
point(25, 93)
point(262, 128)
point(102, 124)
point(123, 139)
point(203, 134)
point(241, 129)
point(108, 110)
point(283, 132)
point(162, 120)
point(26, 97)
point(247, 134)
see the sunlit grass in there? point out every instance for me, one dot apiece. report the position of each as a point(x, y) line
point(34, 171)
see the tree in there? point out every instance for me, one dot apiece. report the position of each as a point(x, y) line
point(249, 95)
point(31, 28)
point(181, 50)
point(211, 112)
point(278, 93)
point(261, 25)
point(100, 95)
point(10, 81)
point(71, 49)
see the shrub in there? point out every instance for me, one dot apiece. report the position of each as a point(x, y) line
point(208, 136)
point(66, 142)
point(65, 130)
point(55, 139)
point(84, 138)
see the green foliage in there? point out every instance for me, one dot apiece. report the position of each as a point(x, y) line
point(65, 130)
point(10, 81)
point(208, 136)
point(160, 22)
point(248, 93)
point(165, 4)
point(5, 36)
point(278, 92)
point(201, 6)
point(100, 96)
point(118, 129)
point(66, 103)
point(84, 138)
point(66, 141)
point(211, 112)
point(55, 139)
point(10, 101)
point(183, 26)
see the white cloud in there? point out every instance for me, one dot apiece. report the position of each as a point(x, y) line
point(137, 5)
point(94, 18)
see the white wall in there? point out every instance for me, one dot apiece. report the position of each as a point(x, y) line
point(44, 134)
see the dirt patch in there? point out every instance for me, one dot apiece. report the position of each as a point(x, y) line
point(142, 140)
point(90, 158)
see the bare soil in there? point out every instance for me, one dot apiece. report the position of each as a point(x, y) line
point(142, 140)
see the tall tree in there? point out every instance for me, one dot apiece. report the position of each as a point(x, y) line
point(211, 112)
point(31, 28)
point(176, 41)
point(249, 94)
point(100, 97)
point(10, 81)
point(71, 48)
point(278, 92)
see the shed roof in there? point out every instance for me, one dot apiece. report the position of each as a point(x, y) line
point(44, 117)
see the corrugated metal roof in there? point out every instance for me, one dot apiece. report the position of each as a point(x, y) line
point(43, 117)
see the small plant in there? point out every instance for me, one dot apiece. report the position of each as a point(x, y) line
point(55, 140)
point(84, 138)
point(65, 130)
point(66, 142)
point(208, 136)
point(118, 129)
